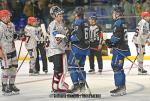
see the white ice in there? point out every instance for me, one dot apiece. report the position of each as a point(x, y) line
point(37, 88)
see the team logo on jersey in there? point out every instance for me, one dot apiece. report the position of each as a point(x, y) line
point(120, 62)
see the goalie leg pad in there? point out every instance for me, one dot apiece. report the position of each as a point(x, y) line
point(58, 83)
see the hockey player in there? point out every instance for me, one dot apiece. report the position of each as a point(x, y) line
point(56, 50)
point(140, 38)
point(120, 49)
point(79, 50)
point(31, 31)
point(8, 58)
point(96, 41)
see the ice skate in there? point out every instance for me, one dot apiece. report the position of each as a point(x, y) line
point(6, 91)
point(46, 71)
point(141, 71)
point(100, 71)
point(92, 71)
point(36, 73)
point(82, 87)
point(30, 72)
point(119, 91)
point(14, 89)
point(76, 88)
point(33, 73)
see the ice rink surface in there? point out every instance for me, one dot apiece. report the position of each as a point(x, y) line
point(38, 88)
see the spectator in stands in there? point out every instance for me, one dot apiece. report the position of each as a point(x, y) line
point(28, 9)
point(146, 5)
point(3, 4)
point(44, 11)
point(126, 6)
point(16, 7)
point(127, 11)
point(137, 10)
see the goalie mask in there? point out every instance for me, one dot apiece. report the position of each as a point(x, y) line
point(55, 11)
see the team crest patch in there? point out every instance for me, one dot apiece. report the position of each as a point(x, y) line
point(120, 61)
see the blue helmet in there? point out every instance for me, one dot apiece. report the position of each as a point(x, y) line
point(93, 17)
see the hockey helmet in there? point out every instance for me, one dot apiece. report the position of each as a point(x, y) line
point(118, 10)
point(79, 11)
point(31, 20)
point(55, 11)
point(145, 14)
point(4, 13)
point(93, 17)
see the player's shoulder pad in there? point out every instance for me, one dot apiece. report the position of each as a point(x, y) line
point(119, 23)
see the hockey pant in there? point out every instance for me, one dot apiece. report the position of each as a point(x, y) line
point(9, 60)
point(9, 66)
point(76, 65)
point(60, 70)
point(117, 66)
point(77, 76)
point(33, 56)
point(140, 51)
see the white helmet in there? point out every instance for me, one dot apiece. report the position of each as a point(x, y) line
point(55, 11)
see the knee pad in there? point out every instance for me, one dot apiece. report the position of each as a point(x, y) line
point(74, 75)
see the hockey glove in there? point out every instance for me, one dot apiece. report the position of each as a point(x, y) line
point(109, 43)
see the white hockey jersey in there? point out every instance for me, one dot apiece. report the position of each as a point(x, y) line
point(142, 33)
point(31, 34)
point(55, 48)
point(6, 37)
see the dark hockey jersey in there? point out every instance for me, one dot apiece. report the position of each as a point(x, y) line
point(80, 34)
point(120, 37)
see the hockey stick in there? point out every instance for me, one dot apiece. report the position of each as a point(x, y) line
point(20, 50)
point(82, 74)
point(127, 58)
point(22, 62)
point(84, 79)
point(132, 64)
